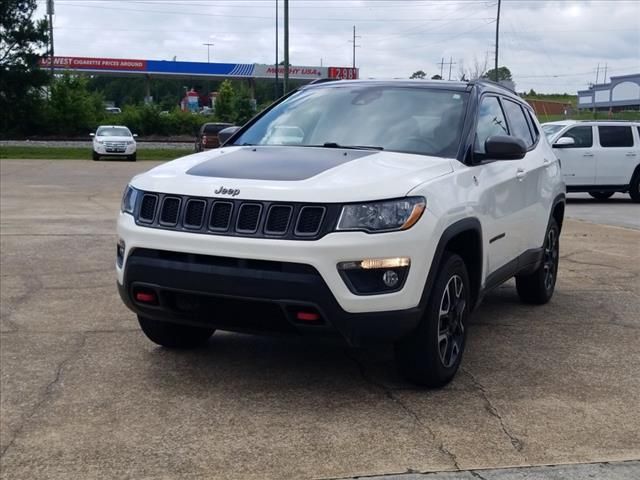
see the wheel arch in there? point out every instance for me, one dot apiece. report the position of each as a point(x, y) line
point(463, 238)
point(557, 211)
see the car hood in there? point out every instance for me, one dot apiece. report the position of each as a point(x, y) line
point(106, 138)
point(305, 174)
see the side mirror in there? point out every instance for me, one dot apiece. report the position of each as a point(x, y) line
point(135, 134)
point(92, 134)
point(503, 147)
point(564, 142)
point(225, 134)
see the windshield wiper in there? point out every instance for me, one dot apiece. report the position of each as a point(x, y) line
point(351, 147)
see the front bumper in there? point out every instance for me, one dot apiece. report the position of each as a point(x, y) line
point(359, 318)
point(250, 295)
point(101, 149)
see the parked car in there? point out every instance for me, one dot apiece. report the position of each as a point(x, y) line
point(384, 213)
point(114, 141)
point(207, 136)
point(113, 110)
point(599, 157)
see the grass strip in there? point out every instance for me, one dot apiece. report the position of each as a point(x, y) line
point(81, 153)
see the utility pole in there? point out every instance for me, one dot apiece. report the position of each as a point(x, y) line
point(597, 74)
point(441, 67)
point(354, 45)
point(50, 12)
point(208, 45)
point(276, 85)
point(451, 63)
point(286, 46)
point(604, 79)
point(495, 71)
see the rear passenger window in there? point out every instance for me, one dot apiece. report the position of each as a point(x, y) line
point(582, 136)
point(518, 122)
point(532, 125)
point(490, 122)
point(615, 136)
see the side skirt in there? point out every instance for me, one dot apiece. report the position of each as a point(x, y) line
point(526, 263)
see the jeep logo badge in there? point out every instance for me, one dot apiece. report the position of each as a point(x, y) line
point(234, 192)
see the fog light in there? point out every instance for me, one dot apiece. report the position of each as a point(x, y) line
point(390, 278)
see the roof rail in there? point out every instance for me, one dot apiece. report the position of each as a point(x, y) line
point(323, 80)
point(486, 81)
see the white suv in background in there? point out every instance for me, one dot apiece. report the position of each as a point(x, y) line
point(114, 140)
point(599, 157)
point(384, 212)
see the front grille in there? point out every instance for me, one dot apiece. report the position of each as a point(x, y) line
point(309, 220)
point(170, 210)
point(278, 219)
point(246, 218)
point(194, 215)
point(220, 216)
point(148, 208)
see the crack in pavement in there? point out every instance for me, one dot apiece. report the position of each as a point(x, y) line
point(388, 392)
point(475, 474)
point(48, 391)
point(517, 444)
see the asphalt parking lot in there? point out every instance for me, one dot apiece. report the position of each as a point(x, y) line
point(85, 395)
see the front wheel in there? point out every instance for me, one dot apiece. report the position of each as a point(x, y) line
point(173, 335)
point(538, 287)
point(95, 156)
point(432, 354)
point(601, 195)
point(133, 157)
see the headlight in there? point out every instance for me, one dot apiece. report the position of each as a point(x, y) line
point(100, 141)
point(130, 142)
point(129, 199)
point(383, 216)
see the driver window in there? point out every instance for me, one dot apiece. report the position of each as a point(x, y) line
point(491, 122)
point(582, 136)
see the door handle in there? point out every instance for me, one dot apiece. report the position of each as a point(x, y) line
point(587, 155)
point(520, 174)
point(546, 163)
point(631, 154)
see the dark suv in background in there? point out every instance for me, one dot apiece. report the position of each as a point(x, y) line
point(207, 136)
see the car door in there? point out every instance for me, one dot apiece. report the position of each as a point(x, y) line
point(617, 157)
point(578, 161)
point(532, 176)
point(501, 200)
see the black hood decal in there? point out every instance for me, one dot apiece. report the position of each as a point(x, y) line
point(276, 163)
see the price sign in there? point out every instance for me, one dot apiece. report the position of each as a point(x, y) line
point(343, 73)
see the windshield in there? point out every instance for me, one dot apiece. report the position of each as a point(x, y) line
point(113, 132)
point(401, 119)
point(551, 130)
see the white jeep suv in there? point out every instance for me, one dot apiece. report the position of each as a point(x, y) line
point(391, 211)
point(114, 140)
point(599, 157)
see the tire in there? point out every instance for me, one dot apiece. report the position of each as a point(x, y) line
point(601, 195)
point(95, 156)
point(634, 188)
point(538, 287)
point(132, 158)
point(173, 335)
point(431, 355)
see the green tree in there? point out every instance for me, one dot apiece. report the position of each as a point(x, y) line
point(21, 81)
point(419, 75)
point(436, 77)
point(224, 107)
point(503, 74)
point(243, 109)
point(72, 108)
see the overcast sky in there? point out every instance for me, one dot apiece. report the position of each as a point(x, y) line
point(550, 46)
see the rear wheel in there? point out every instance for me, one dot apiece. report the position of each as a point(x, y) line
point(173, 335)
point(634, 188)
point(432, 354)
point(538, 287)
point(601, 195)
